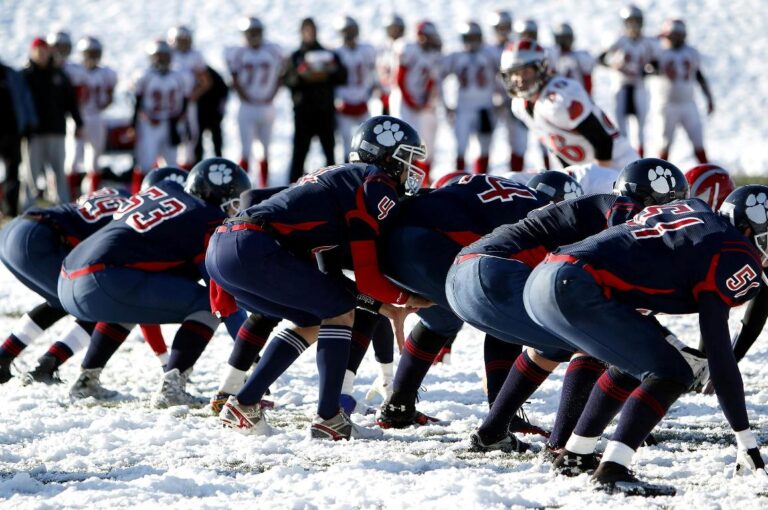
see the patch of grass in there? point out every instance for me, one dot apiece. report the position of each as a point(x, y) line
point(742, 180)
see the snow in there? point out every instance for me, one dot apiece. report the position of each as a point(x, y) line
point(57, 455)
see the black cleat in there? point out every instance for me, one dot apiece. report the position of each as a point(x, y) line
point(508, 444)
point(399, 412)
point(573, 464)
point(46, 372)
point(614, 478)
point(5, 370)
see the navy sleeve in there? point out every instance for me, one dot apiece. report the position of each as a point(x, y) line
point(725, 375)
point(752, 324)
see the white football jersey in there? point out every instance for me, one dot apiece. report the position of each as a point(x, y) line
point(96, 86)
point(75, 72)
point(574, 64)
point(421, 72)
point(678, 68)
point(256, 70)
point(630, 56)
point(163, 94)
point(562, 105)
point(191, 61)
point(360, 62)
point(386, 63)
point(593, 178)
point(476, 72)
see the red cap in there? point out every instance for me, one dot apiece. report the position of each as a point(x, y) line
point(37, 42)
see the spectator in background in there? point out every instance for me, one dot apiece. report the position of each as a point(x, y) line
point(210, 112)
point(54, 99)
point(312, 73)
point(17, 117)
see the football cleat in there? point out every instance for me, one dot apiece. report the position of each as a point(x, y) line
point(614, 478)
point(341, 427)
point(172, 391)
point(508, 444)
point(248, 419)
point(45, 372)
point(573, 464)
point(217, 402)
point(88, 385)
point(521, 425)
point(5, 370)
point(399, 415)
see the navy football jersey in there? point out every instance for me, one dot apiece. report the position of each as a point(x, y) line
point(162, 228)
point(76, 221)
point(555, 225)
point(469, 208)
point(665, 257)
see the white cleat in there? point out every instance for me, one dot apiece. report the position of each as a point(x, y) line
point(88, 386)
point(245, 419)
point(172, 392)
point(341, 427)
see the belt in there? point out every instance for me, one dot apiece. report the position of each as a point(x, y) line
point(569, 259)
point(239, 224)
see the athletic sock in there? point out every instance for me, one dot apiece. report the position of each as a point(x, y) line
point(189, 343)
point(362, 331)
point(580, 378)
point(523, 379)
point(280, 353)
point(383, 341)
point(250, 340)
point(644, 409)
point(499, 357)
point(29, 328)
point(105, 341)
point(421, 348)
point(332, 355)
point(605, 401)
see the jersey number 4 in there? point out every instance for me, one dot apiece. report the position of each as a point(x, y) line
point(160, 207)
point(501, 189)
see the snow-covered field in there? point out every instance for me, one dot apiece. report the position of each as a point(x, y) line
point(54, 455)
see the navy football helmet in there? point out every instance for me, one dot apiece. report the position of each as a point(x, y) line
point(392, 145)
point(556, 186)
point(166, 173)
point(651, 181)
point(747, 210)
point(218, 182)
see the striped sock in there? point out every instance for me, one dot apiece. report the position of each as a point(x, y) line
point(333, 344)
point(523, 379)
point(420, 349)
point(580, 378)
point(61, 352)
point(499, 358)
point(189, 343)
point(279, 354)
point(605, 401)
point(251, 338)
point(12, 347)
point(25, 331)
point(105, 341)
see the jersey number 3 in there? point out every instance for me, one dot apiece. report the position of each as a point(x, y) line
point(160, 207)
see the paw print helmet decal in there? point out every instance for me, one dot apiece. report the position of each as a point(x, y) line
point(651, 181)
point(747, 210)
point(166, 173)
point(218, 182)
point(394, 146)
point(556, 186)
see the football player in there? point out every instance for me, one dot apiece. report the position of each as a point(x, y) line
point(161, 101)
point(475, 68)
point(495, 269)
point(386, 62)
point(144, 267)
point(685, 259)
point(352, 97)
point(628, 57)
point(679, 65)
point(186, 59)
point(571, 125)
point(566, 61)
point(255, 67)
point(517, 133)
point(415, 90)
point(264, 258)
point(95, 95)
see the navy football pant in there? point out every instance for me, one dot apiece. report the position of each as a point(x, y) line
point(487, 292)
point(124, 295)
point(566, 300)
point(33, 252)
point(265, 278)
point(418, 260)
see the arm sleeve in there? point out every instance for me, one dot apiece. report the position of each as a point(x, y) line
point(725, 375)
point(595, 133)
point(375, 204)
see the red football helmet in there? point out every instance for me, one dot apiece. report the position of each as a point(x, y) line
point(449, 178)
point(710, 183)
